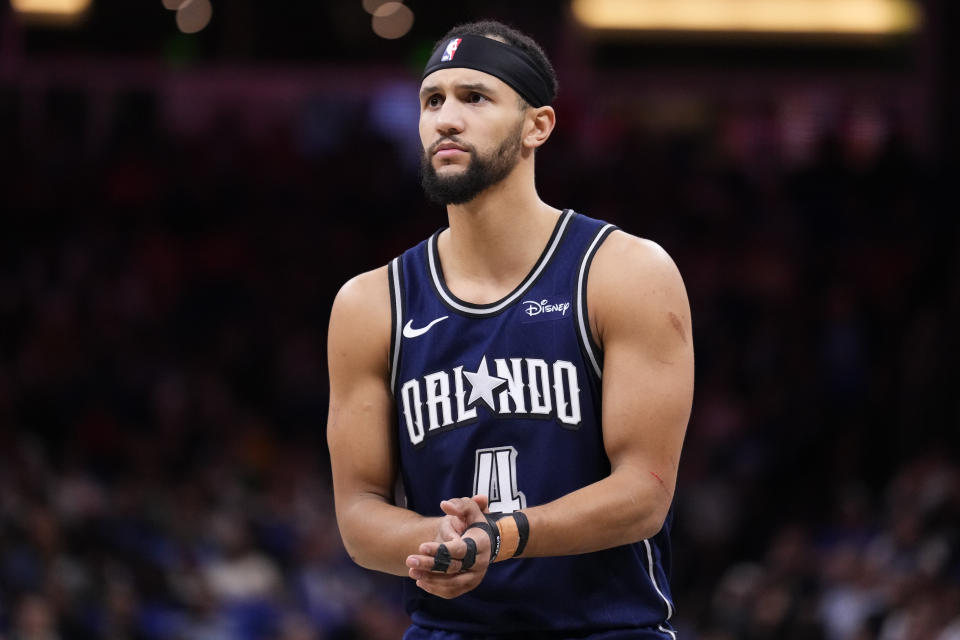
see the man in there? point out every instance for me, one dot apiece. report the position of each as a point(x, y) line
point(535, 359)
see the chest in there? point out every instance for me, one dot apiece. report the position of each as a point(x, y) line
point(524, 363)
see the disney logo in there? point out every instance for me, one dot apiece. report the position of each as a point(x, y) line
point(535, 308)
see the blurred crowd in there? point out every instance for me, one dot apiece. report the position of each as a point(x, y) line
point(163, 307)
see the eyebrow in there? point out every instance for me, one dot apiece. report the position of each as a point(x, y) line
point(469, 86)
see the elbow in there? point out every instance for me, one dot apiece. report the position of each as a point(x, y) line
point(360, 561)
point(364, 550)
point(648, 515)
point(355, 549)
point(643, 502)
point(352, 551)
point(366, 546)
point(649, 525)
point(371, 555)
point(351, 543)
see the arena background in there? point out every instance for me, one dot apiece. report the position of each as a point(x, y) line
point(179, 209)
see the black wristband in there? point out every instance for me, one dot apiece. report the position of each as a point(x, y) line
point(523, 527)
point(492, 523)
point(494, 534)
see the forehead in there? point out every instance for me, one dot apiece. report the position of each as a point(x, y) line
point(445, 79)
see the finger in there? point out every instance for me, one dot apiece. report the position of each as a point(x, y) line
point(447, 585)
point(458, 507)
point(451, 528)
point(447, 581)
point(470, 557)
point(457, 548)
point(428, 562)
point(444, 590)
point(464, 555)
point(481, 501)
point(420, 565)
point(441, 559)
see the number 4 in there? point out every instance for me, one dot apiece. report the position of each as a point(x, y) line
point(495, 476)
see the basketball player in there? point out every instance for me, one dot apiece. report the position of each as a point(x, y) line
point(535, 359)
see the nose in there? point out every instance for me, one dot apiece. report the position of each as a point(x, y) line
point(449, 118)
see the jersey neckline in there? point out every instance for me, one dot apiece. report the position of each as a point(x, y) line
point(493, 308)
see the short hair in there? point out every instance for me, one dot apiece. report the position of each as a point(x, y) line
point(511, 36)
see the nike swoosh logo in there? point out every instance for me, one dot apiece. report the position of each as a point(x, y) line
point(410, 332)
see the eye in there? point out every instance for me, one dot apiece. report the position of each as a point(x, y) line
point(476, 98)
point(434, 101)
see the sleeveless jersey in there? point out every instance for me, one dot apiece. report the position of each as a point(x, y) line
point(503, 399)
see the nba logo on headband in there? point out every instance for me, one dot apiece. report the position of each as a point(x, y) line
point(451, 50)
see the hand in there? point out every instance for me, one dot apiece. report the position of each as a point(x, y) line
point(450, 528)
point(461, 512)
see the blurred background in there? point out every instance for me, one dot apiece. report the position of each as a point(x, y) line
point(185, 185)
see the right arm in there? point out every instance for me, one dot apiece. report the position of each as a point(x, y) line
point(363, 449)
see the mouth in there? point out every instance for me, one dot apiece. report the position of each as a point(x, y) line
point(448, 149)
point(448, 154)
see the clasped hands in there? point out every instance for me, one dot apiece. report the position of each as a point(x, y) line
point(458, 577)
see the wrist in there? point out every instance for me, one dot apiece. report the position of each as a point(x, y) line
point(514, 531)
point(489, 526)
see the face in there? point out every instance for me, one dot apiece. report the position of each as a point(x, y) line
point(470, 129)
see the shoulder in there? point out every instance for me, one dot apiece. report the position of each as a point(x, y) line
point(360, 319)
point(364, 291)
point(626, 257)
point(635, 284)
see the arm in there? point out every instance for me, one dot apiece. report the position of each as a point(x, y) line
point(363, 452)
point(640, 315)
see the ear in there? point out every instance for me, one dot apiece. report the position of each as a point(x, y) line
point(539, 126)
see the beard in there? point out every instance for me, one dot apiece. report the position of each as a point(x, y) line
point(481, 172)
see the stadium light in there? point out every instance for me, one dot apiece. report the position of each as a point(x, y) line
point(392, 20)
point(815, 17)
point(194, 15)
point(55, 11)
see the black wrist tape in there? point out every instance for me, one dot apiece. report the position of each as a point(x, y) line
point(491, 528)
point(470, 556)
point(441, 561)
point(523, 526)
point(495, 532)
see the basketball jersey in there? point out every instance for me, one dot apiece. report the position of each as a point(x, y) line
point(503, 399)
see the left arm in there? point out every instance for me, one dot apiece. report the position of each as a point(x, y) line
point(640, 315)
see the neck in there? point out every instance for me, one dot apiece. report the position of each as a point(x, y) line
point(495, 239)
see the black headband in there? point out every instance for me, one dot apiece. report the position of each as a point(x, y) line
point(504, 61)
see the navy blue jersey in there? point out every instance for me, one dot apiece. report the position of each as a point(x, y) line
point(503, 399)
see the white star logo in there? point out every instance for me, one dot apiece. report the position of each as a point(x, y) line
point(482, 384)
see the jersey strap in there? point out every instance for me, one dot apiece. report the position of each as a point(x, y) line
point(394, 273)
point(587, 343)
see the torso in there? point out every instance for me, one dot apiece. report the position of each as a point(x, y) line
point(503, 398)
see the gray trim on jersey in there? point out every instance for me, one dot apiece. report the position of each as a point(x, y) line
point(581, 303)
point(397, 322)
point(510, 299)
point(653, 579)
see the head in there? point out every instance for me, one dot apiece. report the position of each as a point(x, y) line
point(484, 108)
